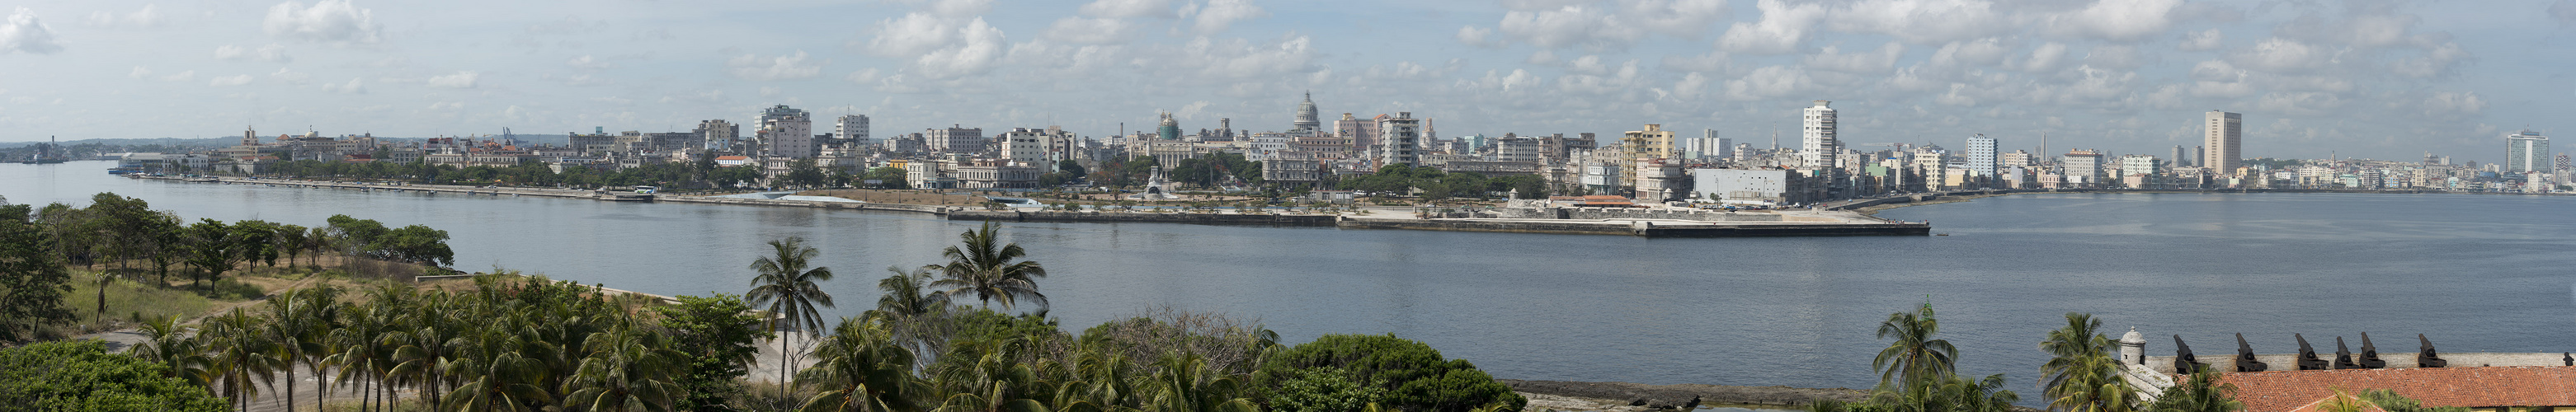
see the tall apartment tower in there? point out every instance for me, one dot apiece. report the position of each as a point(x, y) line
point(1818, 146)
point(2220, 151)
point(853, 127)
point(2526, 152)
point(1981, 155)
point(2179, 158)
point(788, 132)
point(1402, 137)
point(719, 134)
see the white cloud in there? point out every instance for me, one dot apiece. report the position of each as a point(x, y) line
point(1220, 14)
point(446, 106)
point(148, 17)
point(460, 80)
point(24, 33)
point(2117, 57)
point(1476, 36)
point(2454, 105)
point(1979, 53)
point(2438, 61)
point(2564, 11)
point(2204, 40)
point(2119, 20)
point(1087, 30)
point(290, 76)
point(1600, 25)
point(354, 86)
point(587, 62)
point(1882, 60)
point(328, 21)
point(2045, 57)
point(235, 80)
point(1129, 8)
point(190, 75)
point(2279, 55)
point(1783, 28)
point(272, 52)
point(1769, 82)
point(1921, 21)
point(781, 67)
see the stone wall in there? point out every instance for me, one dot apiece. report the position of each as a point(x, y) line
point(1601, 213)
point(1197, 218)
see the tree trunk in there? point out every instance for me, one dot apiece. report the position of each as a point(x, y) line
point(290, 389)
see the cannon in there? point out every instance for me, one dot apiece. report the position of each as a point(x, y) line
point(2370, 354)
point(2426, 358)
point(2183, 361)
point(2308, 360)
point(2245, 357)
point(2343, 356)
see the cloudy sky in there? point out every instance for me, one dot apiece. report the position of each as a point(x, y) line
point(2385, 79)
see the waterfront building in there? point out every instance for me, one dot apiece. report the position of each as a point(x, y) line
point(2222, 132)
point(853, 128)
point(1651, 144)
point(1818, 146)
point(2526, 152)
point(2017, 158)
point(1306, 115)
point(1362, 132)
point(1981, 155)
point(2083, 168)
point(786, 132)
point(954, 139)
point(2178, 159)
point(1023, 146)
point(1403, 139)
point(719, 135)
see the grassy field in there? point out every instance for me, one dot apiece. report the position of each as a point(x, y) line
point(128, 300)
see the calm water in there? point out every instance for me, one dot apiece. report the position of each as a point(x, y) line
point(2476, 273)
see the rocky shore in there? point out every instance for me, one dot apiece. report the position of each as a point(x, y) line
point(1637, 397)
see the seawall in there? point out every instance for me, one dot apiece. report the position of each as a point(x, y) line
point(1193, 218)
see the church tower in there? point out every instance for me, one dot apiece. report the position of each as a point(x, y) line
point(1306, 115)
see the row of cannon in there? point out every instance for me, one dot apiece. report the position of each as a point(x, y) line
point(2308, 359)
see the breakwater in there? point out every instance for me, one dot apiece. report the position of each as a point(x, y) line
point(1646, 228)
point(1193, 218)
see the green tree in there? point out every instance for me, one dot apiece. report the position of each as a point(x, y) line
point(859, 368)
point(170, 344)
point(32, 278)
point(2391, 401)
point(2199, 392)
point(299, 322)
point(889, 178)
point(81, 376)
point(1412, 375)
point(415, 244)
point(989, 270)
point(2081, 375)
point(214, 248)
point(1914, 358)
point(789, 284)
point(717, 336)
point(626, 369)
point(238, 352)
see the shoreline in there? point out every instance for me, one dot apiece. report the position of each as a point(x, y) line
point(1624, 396)
point(1873, 209)
point(1651, 223)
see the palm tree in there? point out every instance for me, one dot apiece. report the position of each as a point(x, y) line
point(861, 369)
point(2081, 375)
point(2200, 392)
point(426, 344)
point(1915, 357)
point(298, 321)
point(168, 342)
point(628, 369)
point(791, 290)
point(1184, 384)
point(239, 352)
point(986, 270)
point(905, 295)
point(496, 374)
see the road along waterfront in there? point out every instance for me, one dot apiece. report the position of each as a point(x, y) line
point(2475, 273)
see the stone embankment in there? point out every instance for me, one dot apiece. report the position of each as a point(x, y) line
point(1623, 396)
point(1194, 218)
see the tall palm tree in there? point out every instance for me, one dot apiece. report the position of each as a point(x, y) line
point(171, 344)
point(861, 369)
point(240, 353)
point(496, 374)
point(791, 286)
point(1915, 356)
point(985, 268)
point(906, 293)
point(427, 343)
point(2081, 375)
point(627, 369)
point(1184, 383)
point(298, 321)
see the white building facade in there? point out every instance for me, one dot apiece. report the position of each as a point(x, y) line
point(1818, 145)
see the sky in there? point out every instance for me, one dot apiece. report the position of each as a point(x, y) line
point(2365, 78)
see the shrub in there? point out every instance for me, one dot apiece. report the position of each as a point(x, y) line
point(82, 376)
point(1413, 375)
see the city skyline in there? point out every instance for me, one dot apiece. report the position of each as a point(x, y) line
point(2372, 79)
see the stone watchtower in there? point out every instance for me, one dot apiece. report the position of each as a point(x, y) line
point(2133, 348)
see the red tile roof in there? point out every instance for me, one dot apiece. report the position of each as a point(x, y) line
point(2475, 387)
point(2320, 404)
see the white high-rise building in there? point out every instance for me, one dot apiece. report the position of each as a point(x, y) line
point(1025, 146)
point(1819, 145)
point(1401, 140)
point(853, 127)
point(1981, 155)
point(787, 132)
point(2526, 152)
point(2219, 142)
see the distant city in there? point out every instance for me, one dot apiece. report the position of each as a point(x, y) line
point(1650, 164)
